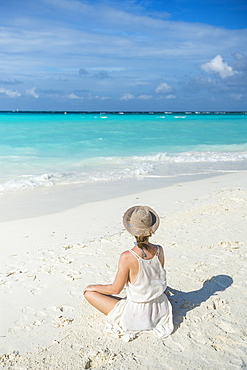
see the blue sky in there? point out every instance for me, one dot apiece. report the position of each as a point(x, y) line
point(123, 55)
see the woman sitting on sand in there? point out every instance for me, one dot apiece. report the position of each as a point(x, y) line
point(146, 307)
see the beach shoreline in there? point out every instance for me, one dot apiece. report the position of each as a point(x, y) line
point(50, 256)
point(28, 203)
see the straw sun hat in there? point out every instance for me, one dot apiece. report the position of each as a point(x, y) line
point(141, 221)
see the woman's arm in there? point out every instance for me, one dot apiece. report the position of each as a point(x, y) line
point(120, 279)
point(161, 255)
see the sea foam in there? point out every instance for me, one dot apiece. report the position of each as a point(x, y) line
point(102, 169)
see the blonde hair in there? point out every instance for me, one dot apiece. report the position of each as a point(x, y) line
point(142, 241)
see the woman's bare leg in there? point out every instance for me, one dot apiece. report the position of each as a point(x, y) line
point(103, 303)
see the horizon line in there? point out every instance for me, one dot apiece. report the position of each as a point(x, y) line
point(122, 112)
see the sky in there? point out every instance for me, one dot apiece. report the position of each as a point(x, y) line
point(123, 55)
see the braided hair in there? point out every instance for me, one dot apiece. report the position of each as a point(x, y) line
point(142, 241)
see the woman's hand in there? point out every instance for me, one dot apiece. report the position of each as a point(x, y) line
point(89, 288)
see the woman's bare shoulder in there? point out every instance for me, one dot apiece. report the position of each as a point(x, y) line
point(124, 256)
point(127, 258)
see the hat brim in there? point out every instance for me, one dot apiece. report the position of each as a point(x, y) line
point(133, 230)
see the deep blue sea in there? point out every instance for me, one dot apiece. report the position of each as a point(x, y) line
point(48, 149)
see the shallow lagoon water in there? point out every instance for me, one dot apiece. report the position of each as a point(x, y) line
point(47, 149)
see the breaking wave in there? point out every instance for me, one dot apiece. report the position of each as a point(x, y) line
point(103, 169)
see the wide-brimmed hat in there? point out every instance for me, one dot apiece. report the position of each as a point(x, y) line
point(141, 221)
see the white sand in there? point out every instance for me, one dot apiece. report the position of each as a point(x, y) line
point(47, 260)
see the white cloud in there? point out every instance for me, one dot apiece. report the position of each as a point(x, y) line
point(218, 66)
point(128, 96)
point(32, 92)
point(98, 97)
point(73, 96)
point(10, 81)
point(144, 97)
point(171, 96)
point(104, 97)
point(10, 93)
point(163, 88)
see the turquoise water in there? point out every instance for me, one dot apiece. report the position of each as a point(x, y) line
point(52, 149)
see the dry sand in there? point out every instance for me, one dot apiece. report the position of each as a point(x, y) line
point(47, 260)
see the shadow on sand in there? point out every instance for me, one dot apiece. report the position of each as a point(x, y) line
point(182, 302)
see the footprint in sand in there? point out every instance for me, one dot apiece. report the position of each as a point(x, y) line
point(35, 291)
point(73, 275)
point(37, 323)
point(217, 303)
point(174, 346)
point(97, 358)
point(14, 330)
point(61, 308)
point(22, 322)
point(226, 327)
point(65, 259)
point(27, 310)
point(74, 292)
point(40, 314)
point(61, 321)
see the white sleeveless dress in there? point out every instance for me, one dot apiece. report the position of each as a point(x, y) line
point(146, 307)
